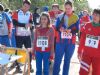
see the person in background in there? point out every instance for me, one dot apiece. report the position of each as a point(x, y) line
point(5, 27)
point(45, 9)
point(89, 47)
point(43, 48)
point(23, 20)
point(83, 20)
point(36, 16)
point(54, 12)
point(67, 25)
point(12, 39)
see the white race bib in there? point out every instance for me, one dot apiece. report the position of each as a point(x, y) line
point(65, 35)
point(92, 41)
point(42, 41)
point(37, 20)
point(22, 31)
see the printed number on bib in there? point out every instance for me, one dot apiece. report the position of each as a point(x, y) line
point(65, 35)
point(42, 41)
point(92, 41)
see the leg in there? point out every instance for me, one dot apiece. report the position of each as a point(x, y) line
point(19, 43)
point(85, 65)
point(69, 50)
point(96, 66)
point(27, 43)
point(39, 63)
point(46, 56)
point(58, 58)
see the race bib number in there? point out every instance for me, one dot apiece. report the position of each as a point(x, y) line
point(92, 41)
point(65, 35)
point(42, 41)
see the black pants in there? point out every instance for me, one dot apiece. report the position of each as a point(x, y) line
point(26, 41)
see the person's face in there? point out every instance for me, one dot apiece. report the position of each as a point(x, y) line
point(44, 21)
point(85, 13)
point(68, 9)
point(96, 17)
point(38, 11)
point(26, 7)
point(55, 8)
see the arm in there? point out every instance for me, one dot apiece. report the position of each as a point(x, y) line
point(34, 42)
point(52, 42)
point(30, 22)
point(75, 28)
point(57, 24)
point(10, 25)
point(82, 42)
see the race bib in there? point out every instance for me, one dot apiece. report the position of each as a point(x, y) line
point(92, 41)
point(37, 20)
point(42, 41)
point(65, 35)
point(22, 31)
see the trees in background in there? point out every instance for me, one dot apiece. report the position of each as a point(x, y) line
point(15, 4)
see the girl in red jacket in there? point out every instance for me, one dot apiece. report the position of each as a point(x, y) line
point(89, 48)
point(43, 44)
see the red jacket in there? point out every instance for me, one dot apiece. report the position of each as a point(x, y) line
point(47, 32)
point(53, 14)
point(84, 20)
point(90, 30)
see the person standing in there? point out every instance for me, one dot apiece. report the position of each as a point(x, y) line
point(54, 12)
point(5, 27)
point(22, 20)
point(43, 44)
point(83, 20)
point(89, 47)
point(67, 25)
point(36, 16)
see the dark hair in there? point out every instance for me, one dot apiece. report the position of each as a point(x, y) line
point(1, 7)
point(97, 11)
point(35, 10)
point(27, 2)
point(55, 5)
point(68, 3)
point(48, 17)
point(7, 10)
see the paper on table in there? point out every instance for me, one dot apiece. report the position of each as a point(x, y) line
point(4, 58)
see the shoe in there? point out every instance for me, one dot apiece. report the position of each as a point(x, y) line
point(13, 66)
point(31, 70)
point(18, 70)
point(50, 62)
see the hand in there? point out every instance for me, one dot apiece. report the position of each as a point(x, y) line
point(28, 25)
point(68, 30)
point(9, 34)
point(79, 57)
point(33, 56)
point(29, 50)
point(62, 29)
point(51, 58)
